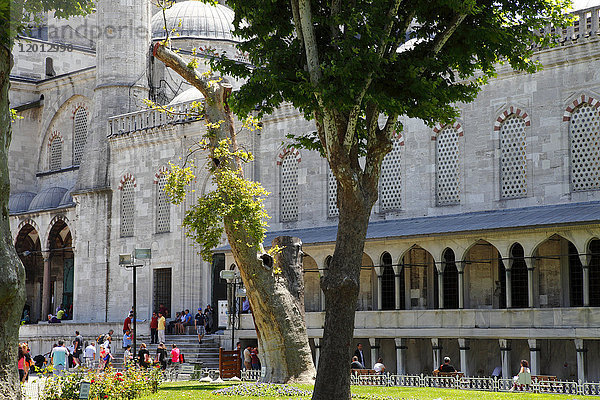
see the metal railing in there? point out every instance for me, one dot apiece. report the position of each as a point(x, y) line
point(476, 383)
point(149, 119)
point(251, 375)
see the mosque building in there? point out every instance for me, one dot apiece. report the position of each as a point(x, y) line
point(484, 245)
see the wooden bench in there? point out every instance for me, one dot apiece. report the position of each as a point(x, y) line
point(547, 382)
point(456, 374)
point(363, 372)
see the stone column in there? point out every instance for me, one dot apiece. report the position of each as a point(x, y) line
point(461, 285)
point(508, 289)
point(374, 351)
point(400, 356)
point(581, 350)
point(321, 294)
point(46, 287)
point(530, 267)
point(463, 346)
point(317, 351)
point(441, 289)
point(505, 355)
point(397, 271)
point(534, 356)
point(437, 353)
point(586, 284)
point(379, 272)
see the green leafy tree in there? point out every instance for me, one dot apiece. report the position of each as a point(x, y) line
point(273, 280)
point(349, 64)
point(14, 19)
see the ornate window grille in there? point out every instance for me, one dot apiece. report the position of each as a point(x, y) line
point(289, 189)
point(513, 163)
point(447, 167)
point(390, 183)
point(584, 132)
point(163, 206)
point(55, 154)
point(332, 207)
point(127, 208)
point(80, 132)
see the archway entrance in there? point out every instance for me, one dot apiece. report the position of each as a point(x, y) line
point(60, 244)
point(30, 252)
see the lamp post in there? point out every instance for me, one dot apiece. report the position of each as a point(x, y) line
point(127, 260)
point(232, 278)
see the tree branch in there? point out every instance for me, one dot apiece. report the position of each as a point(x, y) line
point(441, 39)
point(310, 41)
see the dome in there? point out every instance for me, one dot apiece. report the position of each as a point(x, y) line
point(67, 199)
point(48, 198)
point(195, 19)
point(19, 202)
point(190, 94)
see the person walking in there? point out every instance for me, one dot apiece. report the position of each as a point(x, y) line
point(153, 329)
point(160, 329)
point(175, 352)
point(89, 355)
point(59, 358)
point(162, 358)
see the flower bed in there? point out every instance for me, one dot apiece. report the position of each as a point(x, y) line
point(104, 385)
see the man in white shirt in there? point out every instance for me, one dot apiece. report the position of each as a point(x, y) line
point(89, 355)
point(59, 358)
point(379, 367)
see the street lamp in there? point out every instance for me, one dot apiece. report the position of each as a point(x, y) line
point(127, 260)
point(232, 278)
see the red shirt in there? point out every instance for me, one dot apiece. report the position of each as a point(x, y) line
point(127, 324)
point(175, 355)
point(154, 323)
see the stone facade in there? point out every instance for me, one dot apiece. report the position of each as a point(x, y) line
point(483, 285)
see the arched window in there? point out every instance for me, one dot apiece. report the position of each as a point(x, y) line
point(80, 132)
point(390, 183)
point(450, 280)
point(388, 283)
point(55, 159)
point(594, 251)
point(584, 132)
point(575, 277)
point(289, 188)
point(447, 167)
point(163, 206)
point(127, 208)
point(519, 279)
point(513, 161)
point(332, 208)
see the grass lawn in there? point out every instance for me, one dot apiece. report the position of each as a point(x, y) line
point(201, 391)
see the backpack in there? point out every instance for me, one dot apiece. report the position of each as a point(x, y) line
point(102, 338)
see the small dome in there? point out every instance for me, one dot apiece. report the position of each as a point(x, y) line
point(48, 199)
point(194, 19)
point(190, 94)
point(19, 202)
point(67, 199)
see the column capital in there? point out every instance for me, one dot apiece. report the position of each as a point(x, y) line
point(379, 270)
point(504, 344)
point(374, 343)
point(400, 343)
point(579, 347)
point(463, 344)
point(317, 342)
point(529, 263)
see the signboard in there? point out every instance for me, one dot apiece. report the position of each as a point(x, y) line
point(222, 305)
point(84, 390)
point(143, 254)
point(263, 372)
point(125, 259)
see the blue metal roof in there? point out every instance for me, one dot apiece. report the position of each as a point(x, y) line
point(548, 215)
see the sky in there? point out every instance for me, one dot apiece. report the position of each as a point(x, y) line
point(579, 4)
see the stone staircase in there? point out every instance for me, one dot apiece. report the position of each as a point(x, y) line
point(206, 353)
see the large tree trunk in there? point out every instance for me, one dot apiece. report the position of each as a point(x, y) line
point(277, 299)
point(12, 273)
point(341, 285)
